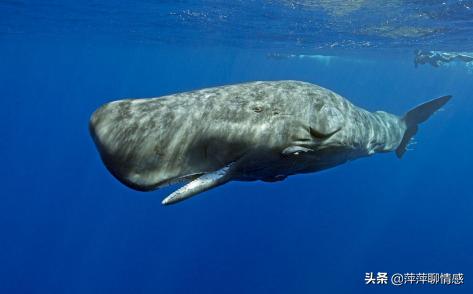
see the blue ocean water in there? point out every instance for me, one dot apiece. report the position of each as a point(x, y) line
point(67, 226)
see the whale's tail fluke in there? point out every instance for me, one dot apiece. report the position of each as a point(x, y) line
point(416, 116)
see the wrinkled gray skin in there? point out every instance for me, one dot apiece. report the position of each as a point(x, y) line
point(262, 130)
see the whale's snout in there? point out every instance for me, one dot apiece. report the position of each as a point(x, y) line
point(121, 142)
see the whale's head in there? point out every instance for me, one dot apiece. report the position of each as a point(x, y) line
point(115, 130)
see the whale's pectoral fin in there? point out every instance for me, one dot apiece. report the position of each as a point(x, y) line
point(295, 150)
point(203, 183)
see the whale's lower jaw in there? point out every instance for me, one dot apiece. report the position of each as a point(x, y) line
point(203, 183)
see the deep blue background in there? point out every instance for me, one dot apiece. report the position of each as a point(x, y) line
point(67, 226)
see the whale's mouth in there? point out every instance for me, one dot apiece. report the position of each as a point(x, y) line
point(200, 184)
point(145, 186)
point(178, 180)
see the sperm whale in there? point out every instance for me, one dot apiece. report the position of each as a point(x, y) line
point(265, 130)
